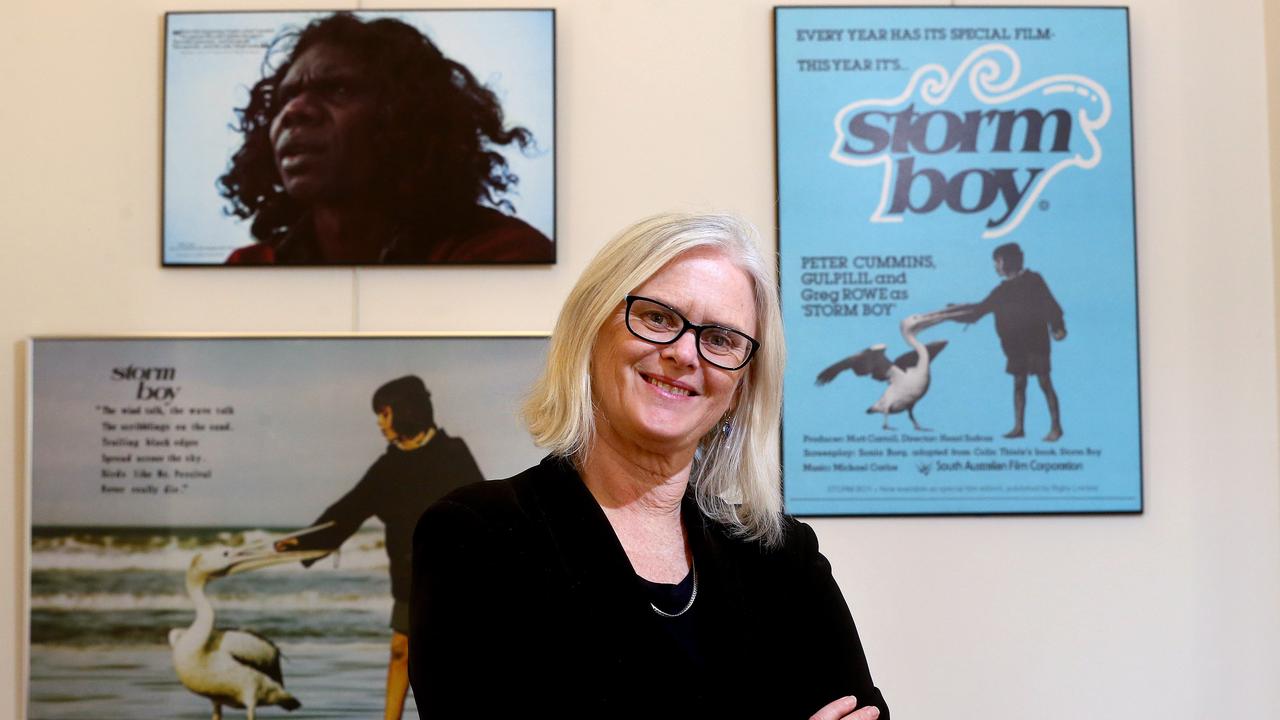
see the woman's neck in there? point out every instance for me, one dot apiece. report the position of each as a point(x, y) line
point(641, 496)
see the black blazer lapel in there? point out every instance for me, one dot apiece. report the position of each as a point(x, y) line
point(723, 617)
point(603, 593)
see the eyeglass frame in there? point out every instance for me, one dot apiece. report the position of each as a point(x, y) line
point(697, 332)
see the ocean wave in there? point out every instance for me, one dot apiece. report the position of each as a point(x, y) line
point(156, 549)
point(302, 601)
point(294, 647)
point(151, 626)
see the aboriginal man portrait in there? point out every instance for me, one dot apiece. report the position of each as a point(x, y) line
point(367, 145)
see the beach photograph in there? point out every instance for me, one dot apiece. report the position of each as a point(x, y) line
point(198, 512)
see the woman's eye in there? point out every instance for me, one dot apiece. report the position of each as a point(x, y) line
point(716, 339)
point(720, 341)
point(659, 319)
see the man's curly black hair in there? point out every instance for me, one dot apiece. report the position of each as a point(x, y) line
point(434, 128)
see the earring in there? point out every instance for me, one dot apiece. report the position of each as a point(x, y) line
point(726, 424)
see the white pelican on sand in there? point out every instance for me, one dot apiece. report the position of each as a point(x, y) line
point(231, 667)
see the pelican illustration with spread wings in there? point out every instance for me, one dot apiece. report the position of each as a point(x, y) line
point(908, 375)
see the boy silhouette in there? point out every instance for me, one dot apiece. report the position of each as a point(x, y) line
point(1026, 314)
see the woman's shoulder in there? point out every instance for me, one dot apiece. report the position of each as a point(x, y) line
point(507, 505)
point(488, 500)
point(797, 544)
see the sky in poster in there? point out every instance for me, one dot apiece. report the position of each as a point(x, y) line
point(302, 431)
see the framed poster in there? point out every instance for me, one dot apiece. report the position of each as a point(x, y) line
point(359, 138)
point(957, 179)
point(148, 457)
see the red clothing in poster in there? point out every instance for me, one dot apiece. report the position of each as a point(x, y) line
point(493, 237)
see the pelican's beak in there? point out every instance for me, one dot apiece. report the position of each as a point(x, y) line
point(260, 555)
point(928, 320)
point(263, 553)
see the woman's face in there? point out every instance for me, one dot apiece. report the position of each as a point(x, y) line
point(664, 398)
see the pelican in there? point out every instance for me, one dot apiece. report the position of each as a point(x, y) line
point(908, 375)
point(231, 667)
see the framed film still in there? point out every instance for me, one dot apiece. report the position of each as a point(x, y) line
point(214, 513)
point(409, 137)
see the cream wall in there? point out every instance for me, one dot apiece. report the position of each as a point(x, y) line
point(1272, 13)
point(668, 104)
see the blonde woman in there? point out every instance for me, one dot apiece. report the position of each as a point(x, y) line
point(644, 568)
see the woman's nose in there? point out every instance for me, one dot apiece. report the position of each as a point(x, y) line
point(684, 350)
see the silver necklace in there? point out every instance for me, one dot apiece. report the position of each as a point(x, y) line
point(693, 570)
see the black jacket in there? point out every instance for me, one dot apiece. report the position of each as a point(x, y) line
point(397, 488)
point(524, 604)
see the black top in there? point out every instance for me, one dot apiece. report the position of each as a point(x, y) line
point(1025, 313)
point(525, 604)
point(397, 488)
point(670, 598)
point(681, 629)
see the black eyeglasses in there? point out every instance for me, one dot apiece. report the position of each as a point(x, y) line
point(657, 323)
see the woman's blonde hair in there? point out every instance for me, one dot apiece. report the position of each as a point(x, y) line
point(735, 476)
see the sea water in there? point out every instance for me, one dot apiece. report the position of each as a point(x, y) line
point(104, 599)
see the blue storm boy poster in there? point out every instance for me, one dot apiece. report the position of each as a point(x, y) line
point(957, 261)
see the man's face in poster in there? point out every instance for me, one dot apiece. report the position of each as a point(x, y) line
point(322, 134)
